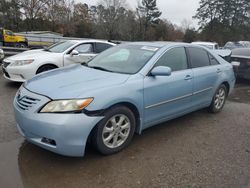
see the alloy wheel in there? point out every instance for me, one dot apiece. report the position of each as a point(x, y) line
point(220, 97)
point(116, 131)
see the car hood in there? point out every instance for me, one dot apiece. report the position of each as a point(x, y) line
point(31, 54)
point(73, 82)
point(223, 53)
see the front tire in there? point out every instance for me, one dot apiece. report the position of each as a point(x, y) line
point(45, 68)
point(219, 99)
point(115, 131)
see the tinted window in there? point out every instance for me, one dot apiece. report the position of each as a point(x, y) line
point(175, 58)
point(84, 48)
point(213, 61)
point(10, 33)
point(100, 47)
point(198, 57)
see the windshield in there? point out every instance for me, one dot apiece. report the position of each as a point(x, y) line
point(60, 46)
point(127, 59)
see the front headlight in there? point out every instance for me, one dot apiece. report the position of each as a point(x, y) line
point(73, 105)
point(22, 62)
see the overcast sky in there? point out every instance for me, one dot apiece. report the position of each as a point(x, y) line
point(173, 10)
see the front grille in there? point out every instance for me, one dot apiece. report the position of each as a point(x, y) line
point(6, 64)
point(25, 103)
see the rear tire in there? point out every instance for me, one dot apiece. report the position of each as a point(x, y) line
point(45, 68)
point(219, 99)
point(115, 131)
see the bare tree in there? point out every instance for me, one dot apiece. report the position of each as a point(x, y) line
point(110, 13)
point(32, 9)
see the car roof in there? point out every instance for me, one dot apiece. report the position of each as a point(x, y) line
point(91, 40)
point(157, 44)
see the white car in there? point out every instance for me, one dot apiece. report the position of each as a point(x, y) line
point(209, 45)
point(24, 66)
point(224, 53)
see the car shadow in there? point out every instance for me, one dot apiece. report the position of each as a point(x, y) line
point(13, 85)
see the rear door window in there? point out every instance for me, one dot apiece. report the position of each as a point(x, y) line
point(198, 57)
point(212, 59)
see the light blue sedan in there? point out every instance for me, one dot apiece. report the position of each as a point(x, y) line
point(122, 91)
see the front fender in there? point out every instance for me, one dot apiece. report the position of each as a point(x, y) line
point(129, 92)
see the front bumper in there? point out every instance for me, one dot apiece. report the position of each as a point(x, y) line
point(18, 73)
point(69, 131)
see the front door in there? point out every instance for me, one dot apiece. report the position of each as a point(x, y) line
point(168, 96)
point(85, 53)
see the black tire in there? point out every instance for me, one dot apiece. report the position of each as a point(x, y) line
point(98, 134)
point(216, 106)
point(45, 68)
point(17, 45)
point(23, 45)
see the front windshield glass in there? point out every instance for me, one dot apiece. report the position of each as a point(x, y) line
point(127, 59)
point(60, 46)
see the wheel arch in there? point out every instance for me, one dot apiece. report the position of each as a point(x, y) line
point(130, 106)
point(226, 83)
point(46, 64)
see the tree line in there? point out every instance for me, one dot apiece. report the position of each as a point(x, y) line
point(219, 20)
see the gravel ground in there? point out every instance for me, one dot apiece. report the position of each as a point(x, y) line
point(197, 150)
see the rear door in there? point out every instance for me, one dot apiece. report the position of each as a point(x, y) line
point(206, 70)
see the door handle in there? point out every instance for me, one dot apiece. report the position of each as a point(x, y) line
point(218, 71)
point(188, 77)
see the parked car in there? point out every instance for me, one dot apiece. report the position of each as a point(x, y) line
point(224, 53)
point(209, 45)
point(241, 59)
point(1, 55)
point(233, 45)
point(24, 66)
point(124, 90)
point(245, 44)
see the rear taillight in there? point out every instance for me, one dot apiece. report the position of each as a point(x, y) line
point(248, 62)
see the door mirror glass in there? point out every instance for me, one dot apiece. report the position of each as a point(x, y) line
point(161, 71)
point(74, 53)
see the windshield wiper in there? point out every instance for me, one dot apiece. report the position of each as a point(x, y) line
point(100, 68)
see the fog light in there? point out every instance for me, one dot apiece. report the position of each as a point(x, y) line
point(48, 141)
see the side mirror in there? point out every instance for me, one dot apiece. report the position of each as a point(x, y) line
point(74, 53)
point(161, 71)
point(235, 63)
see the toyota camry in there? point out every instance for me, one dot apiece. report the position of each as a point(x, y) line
point(120, 92)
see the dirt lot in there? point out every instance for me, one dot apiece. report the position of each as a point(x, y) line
point(197, 150)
